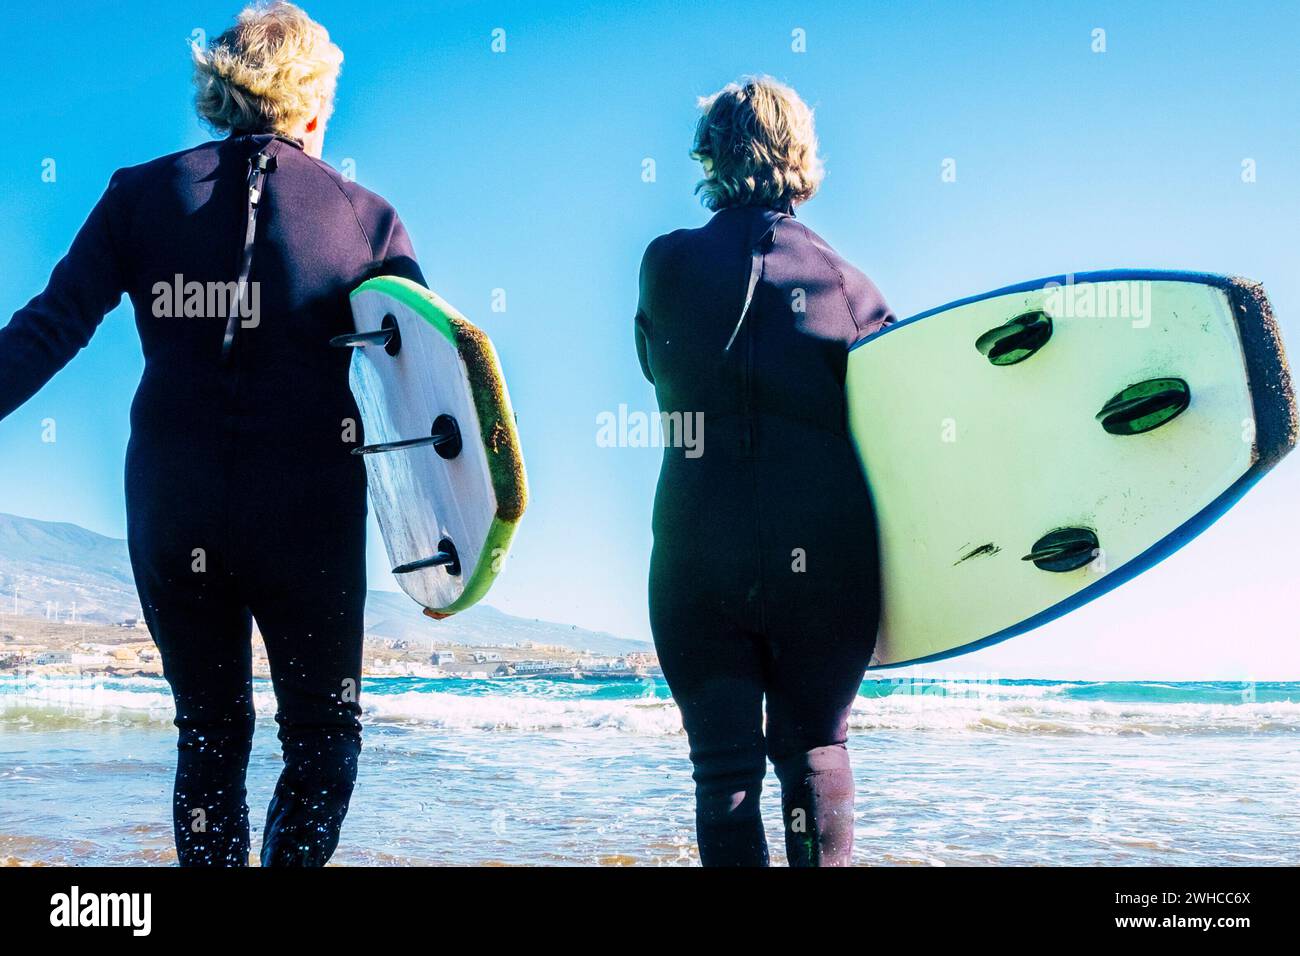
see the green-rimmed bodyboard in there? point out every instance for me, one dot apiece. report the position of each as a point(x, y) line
point(1031, 448)
point(469, 492)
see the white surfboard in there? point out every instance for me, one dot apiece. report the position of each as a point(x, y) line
point(446, 475)
point(1029, 449)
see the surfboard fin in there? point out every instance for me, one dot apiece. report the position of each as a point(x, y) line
point(388, 335)
point(446, 557)
point(444, 437)
point(1065, 549)
point(1016, 339)
point(1144, 406)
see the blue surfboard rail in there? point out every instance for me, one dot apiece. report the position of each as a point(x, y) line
point(1271, 394)
point(1037, 285)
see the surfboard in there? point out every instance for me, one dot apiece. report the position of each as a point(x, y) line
point(443, 462)
point(1029, 449)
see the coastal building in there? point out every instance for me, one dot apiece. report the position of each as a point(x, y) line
point(90, 660)
point(536, 667)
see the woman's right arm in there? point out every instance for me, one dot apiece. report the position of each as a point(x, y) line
point(85, 285)
point(643, 323)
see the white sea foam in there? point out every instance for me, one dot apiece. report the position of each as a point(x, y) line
point(539, 707)
point(1044, 714)
point(647, 716)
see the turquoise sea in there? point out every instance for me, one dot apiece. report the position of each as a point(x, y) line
point(537, 771)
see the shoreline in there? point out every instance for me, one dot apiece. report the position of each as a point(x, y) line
point(35, 647)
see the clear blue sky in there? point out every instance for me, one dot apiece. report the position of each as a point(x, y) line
point(522, 171)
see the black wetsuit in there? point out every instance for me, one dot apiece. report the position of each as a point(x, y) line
point(764, 578)
point(243, 500)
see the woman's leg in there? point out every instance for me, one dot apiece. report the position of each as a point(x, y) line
point(313, 642)
point(715, 675)
point(815, 679)
point(307, 578)
point(204, 638)
point(723, 718)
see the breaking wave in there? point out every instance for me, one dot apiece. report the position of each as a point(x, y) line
point(646, 709)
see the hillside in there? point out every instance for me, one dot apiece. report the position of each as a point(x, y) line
point(57, 565)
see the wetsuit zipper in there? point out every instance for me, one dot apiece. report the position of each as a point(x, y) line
point(749, 441)
point(747, 398)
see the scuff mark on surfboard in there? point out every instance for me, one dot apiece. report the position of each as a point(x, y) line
point(984, 550)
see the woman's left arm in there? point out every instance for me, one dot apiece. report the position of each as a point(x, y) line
point(399, 255)
point(85, 285)
point(871, 312)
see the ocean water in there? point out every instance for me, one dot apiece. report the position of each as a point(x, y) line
point(527, 772)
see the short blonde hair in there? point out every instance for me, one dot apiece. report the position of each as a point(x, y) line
point(273, 70)
point(758, 147)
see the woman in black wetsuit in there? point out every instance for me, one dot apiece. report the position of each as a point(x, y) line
point(243, 499)
point(764, 579)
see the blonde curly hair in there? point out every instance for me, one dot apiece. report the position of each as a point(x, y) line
point(757, 145)
point(271, 72)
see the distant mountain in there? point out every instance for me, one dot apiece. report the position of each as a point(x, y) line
point(57, 565)
point(396, 616)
